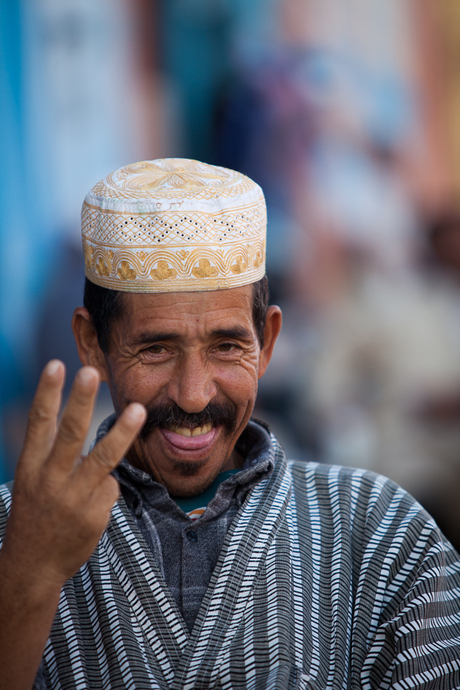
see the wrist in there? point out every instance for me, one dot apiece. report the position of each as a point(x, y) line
point(29, 582)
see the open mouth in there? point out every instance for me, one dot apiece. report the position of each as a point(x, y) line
point(184, 438)
point(169, 418)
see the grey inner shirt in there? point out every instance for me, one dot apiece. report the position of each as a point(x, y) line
point(186, 550)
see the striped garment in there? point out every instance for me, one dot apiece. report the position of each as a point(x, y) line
point(329, 578)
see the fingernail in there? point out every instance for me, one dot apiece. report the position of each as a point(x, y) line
point(86, 375)
point(136, 412)
point(52, 367)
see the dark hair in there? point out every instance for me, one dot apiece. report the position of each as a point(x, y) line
point(105, 306)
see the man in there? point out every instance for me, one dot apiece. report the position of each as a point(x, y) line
point(219, 564)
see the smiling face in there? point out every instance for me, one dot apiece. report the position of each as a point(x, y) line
point(193, 360)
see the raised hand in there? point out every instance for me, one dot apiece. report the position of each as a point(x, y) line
point(61, 505)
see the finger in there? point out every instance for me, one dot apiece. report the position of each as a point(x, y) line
point(76, 419)
point(41, 427)
point(108, 452)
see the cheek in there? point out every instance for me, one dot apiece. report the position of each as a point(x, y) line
point(135, 385)
point(240, 383)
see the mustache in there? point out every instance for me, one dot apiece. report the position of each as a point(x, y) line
point(169, 415)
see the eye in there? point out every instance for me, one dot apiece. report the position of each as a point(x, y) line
point(156, 353)
point(228, 347)
point(155, 350)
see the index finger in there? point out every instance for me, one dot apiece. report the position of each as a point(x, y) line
point(108, 452)
point(41, 426)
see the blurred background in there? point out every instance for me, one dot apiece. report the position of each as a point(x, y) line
point(345, 112)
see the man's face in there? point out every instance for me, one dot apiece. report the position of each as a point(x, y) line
point(193, 360)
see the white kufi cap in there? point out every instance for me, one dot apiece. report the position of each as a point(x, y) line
point(173, 225)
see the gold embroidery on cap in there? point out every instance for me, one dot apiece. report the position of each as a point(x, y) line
point(88, 254)
point(258, 259)
point(102, 268)
point(239, 266)
point(204, 269)
point(125, 272)
point(170, 176)
point(163, 271)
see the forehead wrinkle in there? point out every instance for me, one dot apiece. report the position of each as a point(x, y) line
point(199, 316)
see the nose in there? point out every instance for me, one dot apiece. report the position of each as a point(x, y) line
point(192, 385)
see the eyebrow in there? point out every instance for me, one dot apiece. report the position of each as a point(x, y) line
point(155, 337)
point(233, 333)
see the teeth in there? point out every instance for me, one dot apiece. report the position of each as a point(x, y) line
point(183, 431)
point(198, 431)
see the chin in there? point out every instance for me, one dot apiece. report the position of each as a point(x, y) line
point(188, 469)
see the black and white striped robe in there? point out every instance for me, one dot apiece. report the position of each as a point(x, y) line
point(329, 578)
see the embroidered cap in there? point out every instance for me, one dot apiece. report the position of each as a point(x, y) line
point(172, 225)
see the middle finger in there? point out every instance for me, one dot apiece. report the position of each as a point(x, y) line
point(76, 419)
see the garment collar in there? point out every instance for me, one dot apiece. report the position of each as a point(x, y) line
point(254, 445)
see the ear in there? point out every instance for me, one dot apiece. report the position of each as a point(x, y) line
point(86, 339)
point(272, 330)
